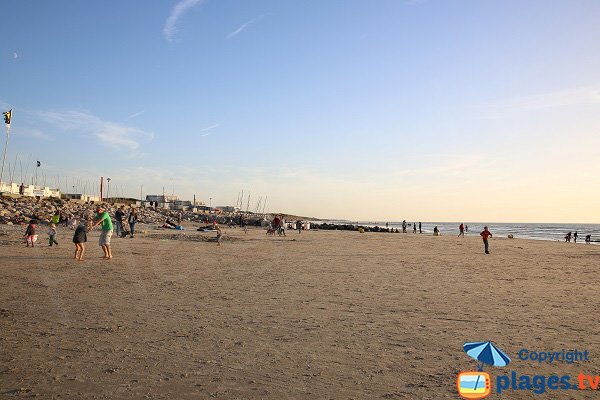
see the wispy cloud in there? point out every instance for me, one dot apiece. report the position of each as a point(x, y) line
point(241, 28)
point(15, 55)
point(176, 13)
point(208, 130)
point(110, 133)
point(137, 114)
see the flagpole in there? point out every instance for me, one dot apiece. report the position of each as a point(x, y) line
point(4, 155)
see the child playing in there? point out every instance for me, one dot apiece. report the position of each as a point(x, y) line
point(30, 233)
point(485, 234)
point(79, 238)
point(219, 234)
point(52, 235)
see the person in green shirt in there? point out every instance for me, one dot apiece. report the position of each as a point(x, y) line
point(102, 217)
point(55, 218)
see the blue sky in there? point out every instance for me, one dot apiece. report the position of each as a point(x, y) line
point(425, 110)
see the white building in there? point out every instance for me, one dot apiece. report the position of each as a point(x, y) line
point(29, 190)
point(81, 197)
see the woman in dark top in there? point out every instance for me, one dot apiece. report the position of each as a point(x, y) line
point(132, 220)
point(79, 238)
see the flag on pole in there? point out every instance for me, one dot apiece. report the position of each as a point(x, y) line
point(7, 116)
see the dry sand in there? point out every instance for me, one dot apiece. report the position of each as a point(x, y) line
point(317, 315)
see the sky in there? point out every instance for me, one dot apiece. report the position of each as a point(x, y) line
point(424, 110)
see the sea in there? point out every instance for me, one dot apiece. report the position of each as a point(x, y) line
point(537, 231)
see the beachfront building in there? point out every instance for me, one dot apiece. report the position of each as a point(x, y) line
point(87, 198)
point(29, 190)
point(165, 201)
point(229, 209)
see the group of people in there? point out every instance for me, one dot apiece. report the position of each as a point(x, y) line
point(101, 218)
point(122, 217)
point(405, 224)
point(569, 235)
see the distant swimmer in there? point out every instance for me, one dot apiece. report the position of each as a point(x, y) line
point(485, 234)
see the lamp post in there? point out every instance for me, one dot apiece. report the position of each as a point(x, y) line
point(108, 188)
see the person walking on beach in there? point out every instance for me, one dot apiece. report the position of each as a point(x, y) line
point(132, 220)
point(568, 237)
point(461, 230)
point(30, 233)
point(52, 235)
point(485, 234)
point(404, 226)
point(281, 227)
point(588, 239)
point(466, 228)
point(299, 226)
point(179, 218)
point(119, 215)
point(414, 227)
point(219, 233)
point(575, 237)
point(79, 238)
point(420, 231)
point(102, 217)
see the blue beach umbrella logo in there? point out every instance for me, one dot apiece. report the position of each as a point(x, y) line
point(473, 385)
point(486, 353)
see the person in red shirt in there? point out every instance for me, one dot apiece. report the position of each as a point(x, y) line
point(485, 234)
point(461, 230)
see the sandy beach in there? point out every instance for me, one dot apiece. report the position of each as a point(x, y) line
point(317, 315)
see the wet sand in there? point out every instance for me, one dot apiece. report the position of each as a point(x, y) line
point(317, 315)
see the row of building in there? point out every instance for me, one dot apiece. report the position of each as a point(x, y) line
point(168, 202)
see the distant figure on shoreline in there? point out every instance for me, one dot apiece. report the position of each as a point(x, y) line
point(466, 228)
point(386, 225)
point(575, 237)
point(588, 239)
point(420, 231)
point(485, 234)
point(568, 237)
point(404, 226)
point(461, 230)
point(414, 227)
point(436, 231)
